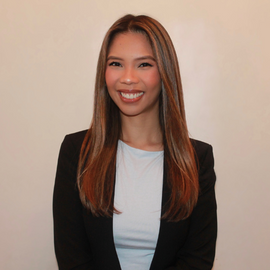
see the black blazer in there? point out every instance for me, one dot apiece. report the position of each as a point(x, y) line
point(84, 242)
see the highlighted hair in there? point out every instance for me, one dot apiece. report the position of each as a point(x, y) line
point(96, 171)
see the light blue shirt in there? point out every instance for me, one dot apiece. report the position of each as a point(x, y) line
point(138, 196)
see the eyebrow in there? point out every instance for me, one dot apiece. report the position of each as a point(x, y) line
point(146, 57)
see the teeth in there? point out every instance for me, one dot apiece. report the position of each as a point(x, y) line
point(131, 96)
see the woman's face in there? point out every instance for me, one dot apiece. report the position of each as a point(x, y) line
point(132, 75)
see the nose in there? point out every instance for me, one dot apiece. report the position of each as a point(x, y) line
point(129, 76)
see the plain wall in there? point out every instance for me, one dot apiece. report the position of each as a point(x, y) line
point(48, 56)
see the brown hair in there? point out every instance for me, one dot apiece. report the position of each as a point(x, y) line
point(96, 171)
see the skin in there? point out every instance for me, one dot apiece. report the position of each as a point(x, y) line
point(133, 82)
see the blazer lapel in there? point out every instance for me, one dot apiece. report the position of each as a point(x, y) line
point(171, 234)
point(100, 233)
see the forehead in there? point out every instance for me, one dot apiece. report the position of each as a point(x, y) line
point(130, 42)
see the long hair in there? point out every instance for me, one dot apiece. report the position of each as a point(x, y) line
point(97, 163)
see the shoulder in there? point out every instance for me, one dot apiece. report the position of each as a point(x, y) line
point(70, 150)
point(73, 142)
point(201, 148)
point(205, 161)
point(75, 139)
point(203, 151)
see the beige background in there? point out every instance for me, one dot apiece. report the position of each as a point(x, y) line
point(48, 55)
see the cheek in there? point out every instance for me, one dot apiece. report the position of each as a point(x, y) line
point(154, 81)
point(109, 78)
point(110, 83)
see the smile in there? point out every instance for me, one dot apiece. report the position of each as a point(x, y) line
point(131, 96)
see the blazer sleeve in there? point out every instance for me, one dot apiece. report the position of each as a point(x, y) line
point(71, 245)
point(198, 251)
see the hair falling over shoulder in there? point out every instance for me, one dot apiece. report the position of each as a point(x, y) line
point(96, 170)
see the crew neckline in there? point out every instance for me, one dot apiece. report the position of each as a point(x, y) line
point(138, 149)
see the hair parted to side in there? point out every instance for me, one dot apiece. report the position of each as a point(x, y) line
point(96, 170)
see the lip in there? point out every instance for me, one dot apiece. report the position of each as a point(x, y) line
point(133, 91)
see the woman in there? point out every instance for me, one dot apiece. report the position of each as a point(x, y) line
point(134, 191)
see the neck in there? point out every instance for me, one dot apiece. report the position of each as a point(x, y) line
point(142, 132)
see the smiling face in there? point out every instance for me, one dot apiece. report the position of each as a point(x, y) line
point(132, 76)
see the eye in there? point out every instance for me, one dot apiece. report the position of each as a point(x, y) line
point(145, 65)
point(115, 64)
